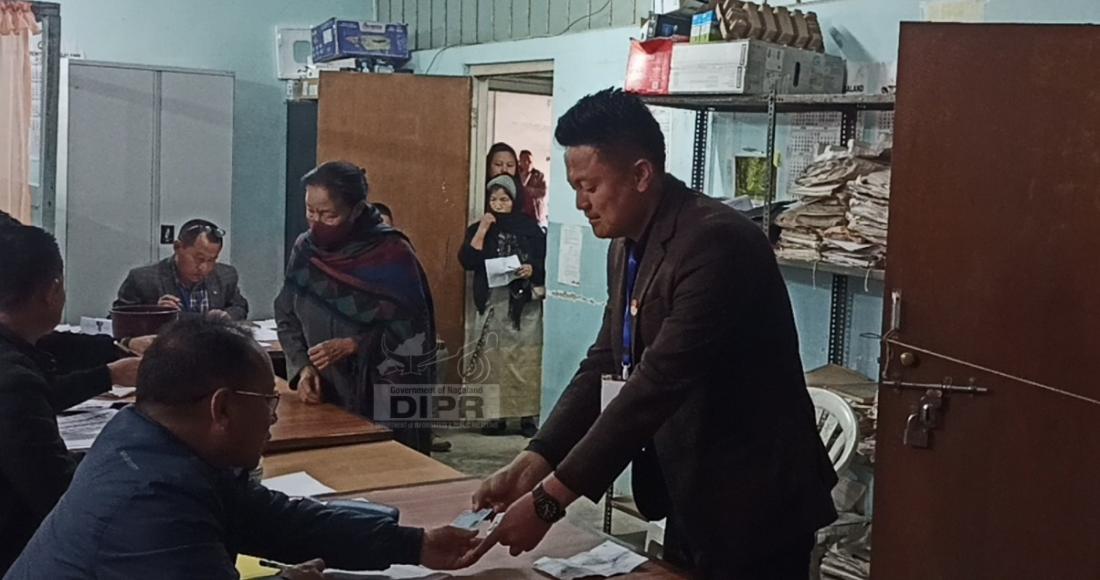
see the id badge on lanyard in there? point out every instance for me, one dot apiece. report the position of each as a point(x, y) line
point(610, 385)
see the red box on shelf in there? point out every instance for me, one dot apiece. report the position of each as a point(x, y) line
point(647, 68)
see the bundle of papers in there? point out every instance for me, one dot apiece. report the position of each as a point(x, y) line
point(843, 213)
point(842, 246)
point(829, 173)
point(821, 213)
point(848, 560)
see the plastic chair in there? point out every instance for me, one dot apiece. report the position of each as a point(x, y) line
point(837, 425)
point(838, 428)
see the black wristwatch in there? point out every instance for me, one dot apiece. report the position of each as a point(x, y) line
point(546, 507)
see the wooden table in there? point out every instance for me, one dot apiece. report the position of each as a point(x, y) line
point(438, 504)
point(353, 469)
point(302, 426)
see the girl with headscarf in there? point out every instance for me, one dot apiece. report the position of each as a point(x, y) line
point(513, 360)
point(354, 295)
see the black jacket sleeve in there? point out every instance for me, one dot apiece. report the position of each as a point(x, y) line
point(33, 458)
point(74, 388)
point(74, 352)
point(471, 259)
point(538, 260)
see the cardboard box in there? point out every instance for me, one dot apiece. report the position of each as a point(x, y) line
point(667, 26)
point(753, 67)
point(705, 28)
point(647, 68)
point(336, 39)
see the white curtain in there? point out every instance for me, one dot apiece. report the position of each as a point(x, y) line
point(17, 26)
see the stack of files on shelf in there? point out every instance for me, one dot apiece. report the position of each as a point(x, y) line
point(825, 225)
point(869, 206)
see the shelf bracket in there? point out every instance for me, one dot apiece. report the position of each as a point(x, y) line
point(699, 150)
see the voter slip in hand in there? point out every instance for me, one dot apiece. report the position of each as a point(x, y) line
point(470, 520)
point(606, 560)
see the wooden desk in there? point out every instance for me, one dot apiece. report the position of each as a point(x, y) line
point(302, 426)
point(353, 469)
point(438, 504)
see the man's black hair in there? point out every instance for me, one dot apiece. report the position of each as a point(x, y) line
point(29, 261)
point(615, 123)
point(7, 220)
point(344, 181)
point(192, 358)
point(526, 152)
point(192, 229)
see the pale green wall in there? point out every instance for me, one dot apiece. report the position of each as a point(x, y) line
point(232, 35)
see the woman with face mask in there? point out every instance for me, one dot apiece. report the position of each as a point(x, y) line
point(506, 312)
point(354, 294)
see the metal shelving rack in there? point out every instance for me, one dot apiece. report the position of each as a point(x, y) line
point(849, 106)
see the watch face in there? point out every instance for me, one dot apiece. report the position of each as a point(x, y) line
point(546, 510)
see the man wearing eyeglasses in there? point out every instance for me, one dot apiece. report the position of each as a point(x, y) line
point(164, 491)
point(191, 280)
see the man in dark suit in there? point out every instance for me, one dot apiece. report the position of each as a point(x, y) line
point(35, 467)
point(191, 280)
point(713, 409)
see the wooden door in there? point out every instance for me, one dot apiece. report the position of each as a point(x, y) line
point(412, 134)
point(994, 226)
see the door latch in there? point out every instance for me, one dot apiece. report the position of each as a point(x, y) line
point(919, 425)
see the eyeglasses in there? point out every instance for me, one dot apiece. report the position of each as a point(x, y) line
point(216, 234)
point(272, 399)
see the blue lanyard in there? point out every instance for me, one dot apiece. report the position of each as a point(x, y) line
point(628, 315)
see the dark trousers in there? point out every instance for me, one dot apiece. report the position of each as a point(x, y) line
point(789, 560)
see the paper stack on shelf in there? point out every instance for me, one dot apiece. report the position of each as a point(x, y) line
point(869, 206)
point(849, 559)
point(841, 217)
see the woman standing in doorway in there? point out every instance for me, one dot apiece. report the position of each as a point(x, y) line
point(502, 160)
point(354, 293)
point(513, 360)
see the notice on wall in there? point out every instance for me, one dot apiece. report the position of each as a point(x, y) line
point(954, 10)
point(569, 255)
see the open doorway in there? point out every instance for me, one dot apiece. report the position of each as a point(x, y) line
point(513, 105)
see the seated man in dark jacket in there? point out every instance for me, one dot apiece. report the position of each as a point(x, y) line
point(163, 493)
point(35, 467)
point(191, 280)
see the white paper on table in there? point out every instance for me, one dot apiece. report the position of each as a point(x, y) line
point(90, 325)
point(79, 430)
point(501, 271)
point(297, 484)
point(569, 255)
point(606, 560)
point(91, 405)
point(120, 392)
point(395, 572)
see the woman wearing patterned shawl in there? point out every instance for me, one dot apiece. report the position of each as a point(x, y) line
point(355, 313)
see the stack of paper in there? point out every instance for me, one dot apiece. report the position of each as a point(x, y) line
point(869, 206)
point(849, 559)
point(79, 430)
point(297, 484)
point(841, 246)
point(820, 226)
